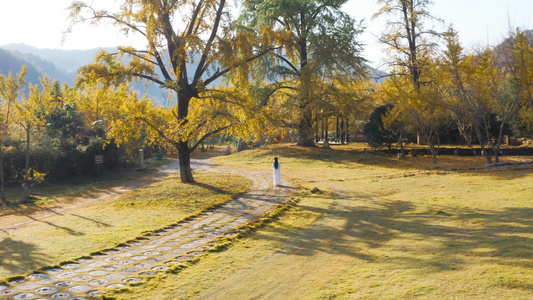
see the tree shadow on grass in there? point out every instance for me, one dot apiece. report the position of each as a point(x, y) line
point(17, 257)
point(432, 241)
point(243, 199)
point(336, 235)
point(212, 188)
point(98, 223)
point(29, 214)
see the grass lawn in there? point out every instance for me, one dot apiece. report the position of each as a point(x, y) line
point(105, 223)
point(380, 228)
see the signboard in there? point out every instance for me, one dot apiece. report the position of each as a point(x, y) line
point(99, 159)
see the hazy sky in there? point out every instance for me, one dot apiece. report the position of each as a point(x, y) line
point(40, 23)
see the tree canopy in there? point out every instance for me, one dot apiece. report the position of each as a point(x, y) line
point(189, 46)
point(319, 47)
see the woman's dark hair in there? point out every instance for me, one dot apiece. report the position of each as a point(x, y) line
point(276, 164)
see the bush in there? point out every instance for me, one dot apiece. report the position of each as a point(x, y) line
point(60, 159)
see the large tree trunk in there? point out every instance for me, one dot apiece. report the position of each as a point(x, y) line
point(184, 155)
point(489, 139)
point(305, 130)
point(494, 149)
point(305, 138)
point(466, 133)
point(434, 152)
point(184, 152)
point(498, 143)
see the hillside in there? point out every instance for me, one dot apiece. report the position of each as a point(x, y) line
point(60, 65)
point(10, 62)
point(67, 60)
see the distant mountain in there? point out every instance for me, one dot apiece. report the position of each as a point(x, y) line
point(67, 60)
point(11, 62)
point(60, 65)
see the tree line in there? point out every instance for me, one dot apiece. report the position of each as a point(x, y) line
point(287, 67)
point(436, 85)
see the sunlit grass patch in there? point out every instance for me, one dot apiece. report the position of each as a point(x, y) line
point(116, 219)
point(380, 228)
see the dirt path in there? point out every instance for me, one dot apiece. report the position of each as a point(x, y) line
point(93, 275)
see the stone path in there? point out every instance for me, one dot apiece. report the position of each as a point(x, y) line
point(132, 262)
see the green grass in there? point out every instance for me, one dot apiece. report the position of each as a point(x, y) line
point(106, 223)
point(381, 228)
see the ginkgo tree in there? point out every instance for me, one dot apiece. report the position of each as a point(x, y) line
point(97, 102)
point(103, 108)
point(487, 90)
point(128, 125)
point(521, 69)
point(319, 44)
point(190, 46)
point(29, 114)
point(422, 107)
point(464, 81)
point(411, 46)
point(508, 86)
point(10, 89)
point(455, 70)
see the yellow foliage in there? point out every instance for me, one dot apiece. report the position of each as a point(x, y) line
point(36, 177)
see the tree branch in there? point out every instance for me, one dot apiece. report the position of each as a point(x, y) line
point(203, 61)
point(202, 139)
point(150, 78)
point(220, 73)
point(284, 59)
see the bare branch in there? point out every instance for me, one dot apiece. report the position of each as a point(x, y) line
point(203, 61)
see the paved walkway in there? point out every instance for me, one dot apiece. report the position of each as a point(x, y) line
point(115, 268)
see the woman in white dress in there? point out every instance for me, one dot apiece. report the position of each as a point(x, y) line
point(277, 175)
